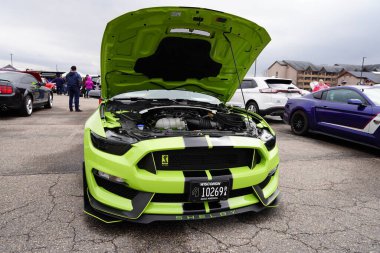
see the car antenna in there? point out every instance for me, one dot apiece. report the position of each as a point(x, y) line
point(237, 73)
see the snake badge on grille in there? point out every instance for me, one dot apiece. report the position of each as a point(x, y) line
point(165, 160)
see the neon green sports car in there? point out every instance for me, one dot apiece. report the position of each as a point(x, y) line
point(163, 145)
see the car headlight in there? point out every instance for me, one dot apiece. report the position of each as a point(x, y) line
point(268, 139)
point(113, 143)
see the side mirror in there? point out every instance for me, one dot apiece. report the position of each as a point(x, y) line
point(355, 101)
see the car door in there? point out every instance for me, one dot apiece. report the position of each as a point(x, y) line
point(334, 115)
point(31, 84)
point(249, 88)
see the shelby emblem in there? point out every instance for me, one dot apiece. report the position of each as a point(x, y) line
point(165, 160)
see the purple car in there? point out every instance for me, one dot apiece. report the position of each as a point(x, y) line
point(348, 112)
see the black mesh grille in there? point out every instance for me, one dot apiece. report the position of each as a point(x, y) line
point(199, 159)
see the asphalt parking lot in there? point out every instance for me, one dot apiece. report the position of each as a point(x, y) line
point(330, 198)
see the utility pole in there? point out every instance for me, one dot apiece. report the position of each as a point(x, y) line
point(255, 67)
point(11, 59)
point(361, 72)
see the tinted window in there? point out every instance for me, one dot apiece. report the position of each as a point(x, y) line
point(324, 95)
point(10, 76)
point(246, 84)
point(28, 80)
point(342, 95)
point(318, 95)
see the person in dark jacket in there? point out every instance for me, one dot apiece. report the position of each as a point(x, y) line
point(59, 81)
point(74, 83)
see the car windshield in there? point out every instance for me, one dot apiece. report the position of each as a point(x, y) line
point(373, 94)
point(168, 94)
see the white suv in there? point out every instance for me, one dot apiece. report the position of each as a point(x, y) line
point(265, 95)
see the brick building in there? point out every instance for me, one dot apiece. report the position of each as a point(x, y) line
point(302, 73)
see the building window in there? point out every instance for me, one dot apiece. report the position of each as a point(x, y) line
point(276, 73)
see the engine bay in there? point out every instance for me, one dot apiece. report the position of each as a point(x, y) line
point(143, 120)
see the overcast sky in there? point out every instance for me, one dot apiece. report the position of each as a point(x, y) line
point(50, 34)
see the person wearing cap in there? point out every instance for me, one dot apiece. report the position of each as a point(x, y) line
point(74, 82)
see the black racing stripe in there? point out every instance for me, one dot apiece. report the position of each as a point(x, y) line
point(218, 173)
point(195, 142)
point(223, 175)
point(194, 176)
point(218, 206)
point(224, 141)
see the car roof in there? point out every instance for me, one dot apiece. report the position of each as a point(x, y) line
point(21, 74)
point(264, 78)
point(358, 87)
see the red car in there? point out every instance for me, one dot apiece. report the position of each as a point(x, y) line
point(49, 85)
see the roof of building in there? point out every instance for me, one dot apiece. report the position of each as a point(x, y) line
point(367, 75)
point(336, 68)
point(304, 65)
point(349, 67)
point(9, 67)
point(300, 65)
point(372, 68)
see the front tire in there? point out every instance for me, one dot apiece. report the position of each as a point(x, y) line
point(252, 107)
point(49, 103)
point(299, 123)
point(27, 107)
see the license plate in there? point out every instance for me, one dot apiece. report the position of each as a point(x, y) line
point(209, 191)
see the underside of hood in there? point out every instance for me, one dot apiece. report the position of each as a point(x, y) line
point(191, 49)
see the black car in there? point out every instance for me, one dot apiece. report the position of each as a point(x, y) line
point(23, 91)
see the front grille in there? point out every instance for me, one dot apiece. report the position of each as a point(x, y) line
point(199, 159)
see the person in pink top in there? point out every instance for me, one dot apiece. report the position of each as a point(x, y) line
point(89, 85)
point(320, 86)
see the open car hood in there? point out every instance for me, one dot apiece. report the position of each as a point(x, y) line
point(183, 48)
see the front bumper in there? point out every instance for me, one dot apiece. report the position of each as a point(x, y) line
point(162, 195)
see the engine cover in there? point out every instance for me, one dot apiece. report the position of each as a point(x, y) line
point(171, 123)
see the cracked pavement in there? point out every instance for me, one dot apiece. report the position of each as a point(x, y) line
point(329, 197)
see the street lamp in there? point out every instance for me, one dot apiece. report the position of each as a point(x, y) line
point(361, 72)
point(11, 59)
